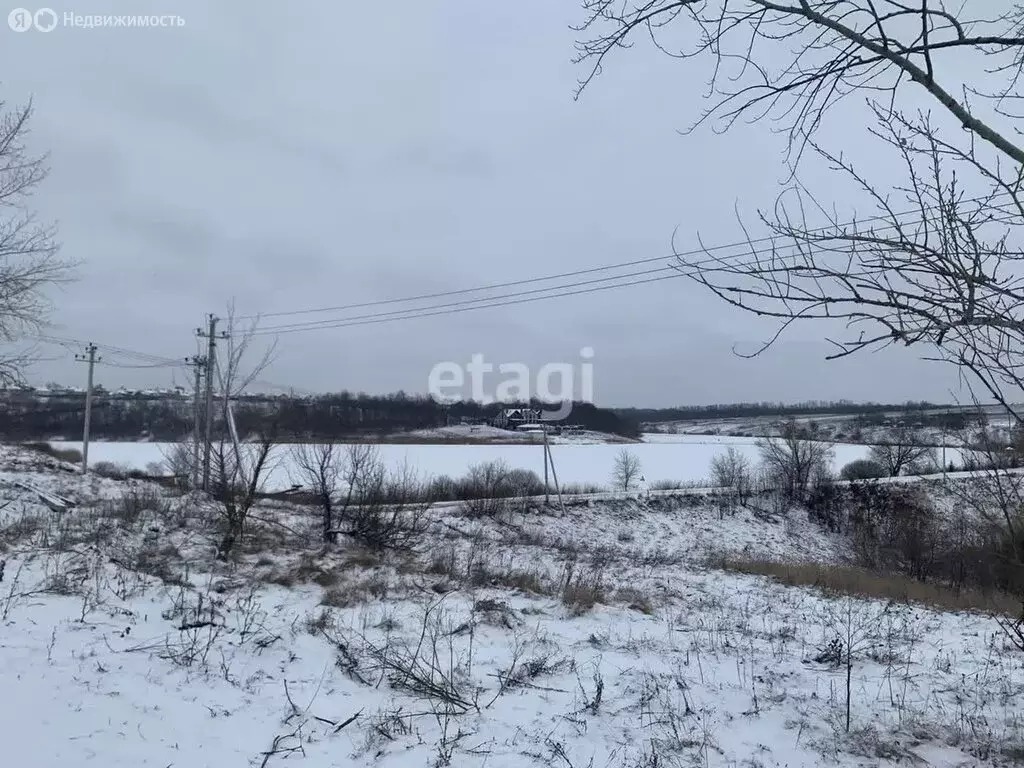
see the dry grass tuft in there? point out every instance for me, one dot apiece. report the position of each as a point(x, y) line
point(582, 591)
point(355, 593)
point(529, 582)
point(362, 558)
point(635, 600)
point(848, 580)
point(319, 622)
point(21, 529)
point(129, 507)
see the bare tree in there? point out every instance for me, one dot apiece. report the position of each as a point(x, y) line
point(489, 489)
point(236, 369)
point(239, 472)
point(383, 509)
point(901, 449)
point(732, 470)
point(238, 480)
point(942, 274)
point(626, 473)
point(29, 261)
point(792, 61)
point(320, 466)
point(794, 458)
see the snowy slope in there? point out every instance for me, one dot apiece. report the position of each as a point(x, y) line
point(124, 643)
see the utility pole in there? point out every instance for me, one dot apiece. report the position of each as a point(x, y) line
point(547, 493)
point(90, 358)
point(550, 459)
point(211, 335)
point(198, 364)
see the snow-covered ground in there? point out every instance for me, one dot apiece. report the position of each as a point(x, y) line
point(678, 458)
point(124, 643)
point(486, 433)
point(841, 428)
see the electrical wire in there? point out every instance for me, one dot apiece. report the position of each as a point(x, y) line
point(345, 323)
point(673, 272)
point(558, 291)
point(130, 354)
point(747, 247)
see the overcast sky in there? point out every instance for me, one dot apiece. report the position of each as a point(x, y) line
point(302, 155)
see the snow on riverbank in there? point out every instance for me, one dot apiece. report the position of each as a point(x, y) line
point(663, 457)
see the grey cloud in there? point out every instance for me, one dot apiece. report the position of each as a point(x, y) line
point(328, 154)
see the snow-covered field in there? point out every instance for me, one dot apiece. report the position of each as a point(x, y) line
point(678, 458)
point(598, 638)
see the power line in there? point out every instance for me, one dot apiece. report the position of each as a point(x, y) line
point(143, 365)
point(465, 302)
point(110, 348)
point(558, 291)
point(746, 245)
point(345, 323)
point(459, 292)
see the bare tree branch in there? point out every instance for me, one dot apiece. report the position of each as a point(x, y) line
point(792, 61)
point(29, 262)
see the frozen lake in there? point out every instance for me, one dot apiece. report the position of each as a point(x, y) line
point(682, 458)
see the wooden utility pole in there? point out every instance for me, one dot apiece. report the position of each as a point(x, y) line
point(90, 358)
point(550, 459)
point(211, 336)
point(198, 364)
point(547, 493)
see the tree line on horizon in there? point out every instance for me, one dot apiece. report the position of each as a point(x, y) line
point(330, 416)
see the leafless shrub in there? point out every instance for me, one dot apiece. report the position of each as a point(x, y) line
point(901, 449)
point(893, 528)
point(793, 458)
point(321, 467)
point(387, 726)
point(247, 620)
point(862, 469)
point(582, 489)
point(672, 726)
point(181, 461)
point(496, 613)
point(199, 622)
point(526, 672)
point(427, 668)
point(356, 592)
point(111, 470)
point(158, 560)
point(385, 509)
point(17, 591)
point(319, 623)
point(591, 702)
point(490, 487)
point(528, 581)
point(130, 506)
point(668, 485)
point(853, 628)
point(238, 479)
point(22, 528)
point(444, 561)
point(732, 470)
